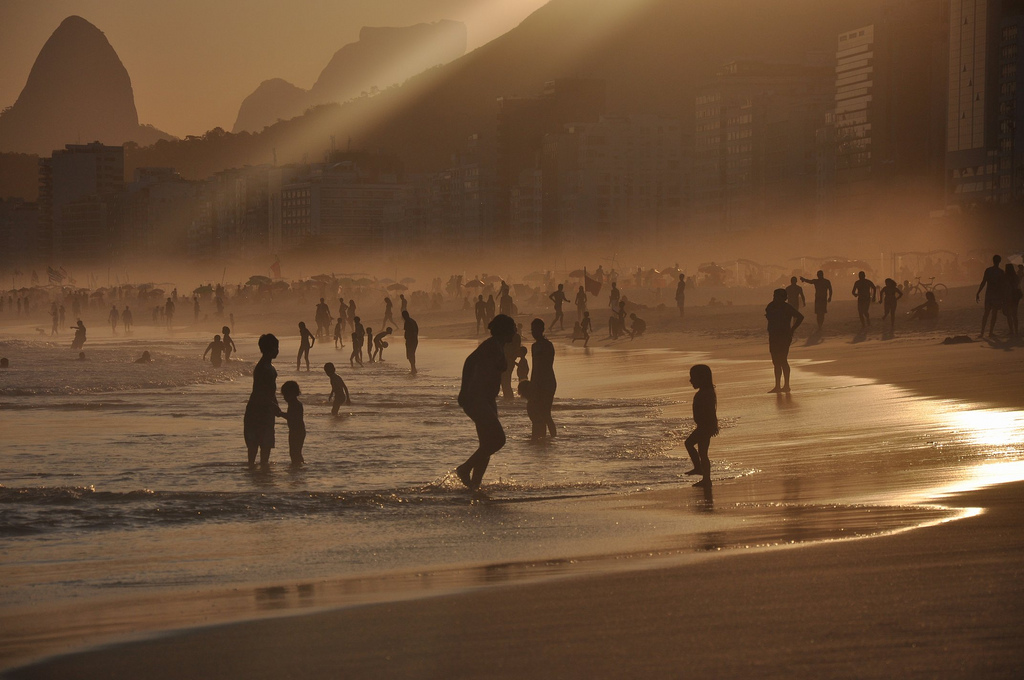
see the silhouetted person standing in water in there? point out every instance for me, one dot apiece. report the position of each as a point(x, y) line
point(822, 296)
point(114, 317)
point(581, 303)
point(993, 283)
point(169, 312)
point(558, 297)
point(79, 340)
point(323, 319)
point(339, 395)
point(705, 415)
point(795, 294)
point(481, 313)
point(412, 340)
point(864, 290)
point(262, 408)
point(229, 344)
point(681, 294)
point(214, 349)
point(296, 425)
point(542, 383)
point(783, 320)
point(888, 296)
point(127, 321)
point(481, 381)
point(358, 335)
point(306, 342)
point(388, 306)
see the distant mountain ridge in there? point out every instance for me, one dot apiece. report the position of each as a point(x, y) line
point(77, 91)
point(383, 56)
point(651, 53)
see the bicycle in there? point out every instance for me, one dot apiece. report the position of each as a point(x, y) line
point(920, 288)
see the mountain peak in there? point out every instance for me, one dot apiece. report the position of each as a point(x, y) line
point(77, 91)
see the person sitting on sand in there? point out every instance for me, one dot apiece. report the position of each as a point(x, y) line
point(145, 358)
point(339, 390)
point(638, 326)
point(780, 335)
point(927, 311)
point(6, 363)
point(296, 425)
point(705, 415)
point(214, 349)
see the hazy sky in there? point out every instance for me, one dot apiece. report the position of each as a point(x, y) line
point(192, 62)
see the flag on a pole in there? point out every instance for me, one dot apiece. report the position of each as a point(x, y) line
point(592, 286)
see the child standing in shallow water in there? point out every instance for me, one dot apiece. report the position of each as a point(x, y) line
point(705, 415)
point(296, 426)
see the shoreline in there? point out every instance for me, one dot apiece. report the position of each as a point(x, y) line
point(833, 357)
point(883, 606)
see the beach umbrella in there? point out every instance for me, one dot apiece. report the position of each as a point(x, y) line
point(322, 278)
point(207, 288)
point(346, 281)
point(710, 269)
point(475, 283)
point(259, 281)
point(385, 282)
point(398, 286)
point(408, 280)
point(279, 285)
point(364, 282)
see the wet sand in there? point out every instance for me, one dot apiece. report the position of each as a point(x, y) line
point(943, 600)
point(940, 601)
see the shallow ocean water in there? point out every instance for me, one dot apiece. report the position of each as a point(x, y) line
point(117, 477)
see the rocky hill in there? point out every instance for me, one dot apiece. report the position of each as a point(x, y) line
point(380, 58)
point(78, 91)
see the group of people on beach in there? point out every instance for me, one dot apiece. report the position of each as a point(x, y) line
point(488, 370)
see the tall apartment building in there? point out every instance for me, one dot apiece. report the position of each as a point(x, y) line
point(352, 202)
point(889, 114)
point(617, 180)
point(522, 124)
point(160, 214)
point(78, 186)
point(754, 143)
point(984, 145)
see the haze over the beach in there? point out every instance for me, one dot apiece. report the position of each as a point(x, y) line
point(168, 47)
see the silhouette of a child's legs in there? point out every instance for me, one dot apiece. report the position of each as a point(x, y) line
point(697, 446)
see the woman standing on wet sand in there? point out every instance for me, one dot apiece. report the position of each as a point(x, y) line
point(262, 407)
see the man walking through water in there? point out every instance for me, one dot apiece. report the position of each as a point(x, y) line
point(993, 283)
point(780, 336)
point(481, 381)
point(558, 297)
point(864, 290)
point(262, 408)
point(822, 296)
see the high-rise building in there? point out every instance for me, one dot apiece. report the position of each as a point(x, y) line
point(618, 180)
point(754, 143)
point(983, 160)
point(78, 186)
point(522, 124)
point(890, 110)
